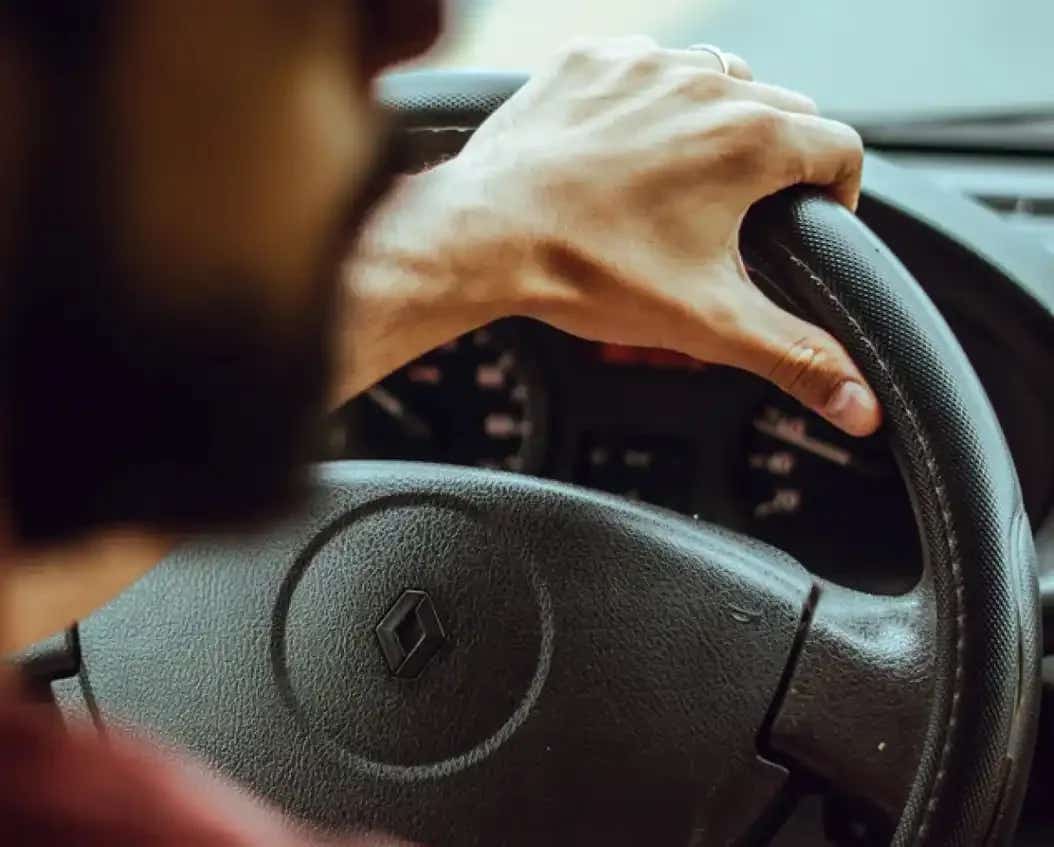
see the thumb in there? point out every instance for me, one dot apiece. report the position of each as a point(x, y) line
point(806, 362)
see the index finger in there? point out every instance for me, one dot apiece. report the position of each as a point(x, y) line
point(825, 153)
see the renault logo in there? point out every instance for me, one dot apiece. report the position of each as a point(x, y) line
point(410, 634)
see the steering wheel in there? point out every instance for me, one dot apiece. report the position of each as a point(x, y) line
point(477, 658)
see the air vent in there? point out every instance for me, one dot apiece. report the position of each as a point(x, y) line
point(1020, 190)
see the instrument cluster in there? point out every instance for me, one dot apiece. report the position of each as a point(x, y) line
point(649, 425)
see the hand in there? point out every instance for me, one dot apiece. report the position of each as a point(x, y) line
point(616, 182)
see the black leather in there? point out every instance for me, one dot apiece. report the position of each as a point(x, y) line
point(229, 649)
point(967, 501)
point(448, 99)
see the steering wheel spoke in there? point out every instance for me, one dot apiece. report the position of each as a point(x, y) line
point(857, 697)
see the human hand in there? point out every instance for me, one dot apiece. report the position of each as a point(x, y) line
point(618, 179)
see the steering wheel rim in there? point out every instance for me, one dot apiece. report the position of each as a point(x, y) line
point(977, 729)
point(966, 498)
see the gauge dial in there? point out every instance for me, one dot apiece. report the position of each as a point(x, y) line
point(835, 502)
point(476, 401)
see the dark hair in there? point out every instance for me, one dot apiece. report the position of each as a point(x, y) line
point(63, 42)
point(67, 35)
point(397, 30)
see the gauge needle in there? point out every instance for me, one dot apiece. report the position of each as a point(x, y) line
point(781, 431)
point(410, 423)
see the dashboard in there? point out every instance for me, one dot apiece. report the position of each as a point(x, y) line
point(650, 425)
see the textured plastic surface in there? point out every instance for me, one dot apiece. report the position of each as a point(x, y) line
point(606, 671)
point(54, 658)
point(858, 702)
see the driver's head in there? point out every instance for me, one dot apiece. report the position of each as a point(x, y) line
point(177, 178)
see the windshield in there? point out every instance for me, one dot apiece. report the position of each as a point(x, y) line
point(857, 58)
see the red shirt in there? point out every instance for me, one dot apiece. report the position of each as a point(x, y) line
point(70, 786)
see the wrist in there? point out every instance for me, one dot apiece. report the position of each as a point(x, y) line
point(437, 259)
point(480, 238)
point(510, 240)
point(446, 246)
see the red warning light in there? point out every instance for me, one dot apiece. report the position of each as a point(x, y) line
point(649, 357)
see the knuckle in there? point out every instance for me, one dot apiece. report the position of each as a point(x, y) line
point(855, 165)
point(739, 137)
point(856, 149)
point(739, 66)
point(808, 368)
point(850, 140)
point(698, 84)
point(716, 83)
point(647, 62)
point(752, 130)
point(805, 104)
point(851, 156)
point(762, 125)
point(577, 52)
point(853, 136)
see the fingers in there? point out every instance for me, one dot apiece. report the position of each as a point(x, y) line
point(807, 148)
point(738, 67)
point(705, 57)
point(773, 95)
point(743, 89)
point(804, 361)
point(825, 153)
point(784, 148)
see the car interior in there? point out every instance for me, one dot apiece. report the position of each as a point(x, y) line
point(549, 590)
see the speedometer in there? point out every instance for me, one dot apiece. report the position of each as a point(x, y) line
point(835, 502)
point(478, 401)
